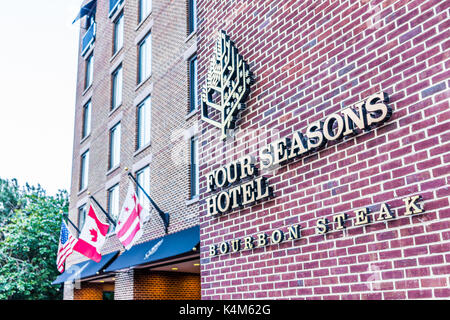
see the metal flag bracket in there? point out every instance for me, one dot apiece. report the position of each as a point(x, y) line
point(165, 217)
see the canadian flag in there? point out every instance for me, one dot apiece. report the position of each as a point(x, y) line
point(92, 237)
point(131, 219)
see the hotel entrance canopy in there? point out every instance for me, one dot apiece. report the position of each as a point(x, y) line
point(85, 269)
point(172, 246)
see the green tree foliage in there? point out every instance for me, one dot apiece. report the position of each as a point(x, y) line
point(30, 243)
point(9, 199)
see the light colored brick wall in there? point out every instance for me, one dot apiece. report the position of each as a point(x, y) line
point(310, 59)
point(68, 292)
point(124, 285)
point(169, 172)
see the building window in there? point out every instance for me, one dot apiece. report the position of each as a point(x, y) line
point(143, 123)
point(193, 93)
point(118, 34)
point(86, 129)
point(84, 170)
point(89, 71)
point(113, 6)
point(145, 7)
point(81, 216)
point(90, 20)
point(192, 16)
point(114, 146)
point(143, 178)
point(116, 88)
point(113, 204)
point(145, 58)
point(194, 168)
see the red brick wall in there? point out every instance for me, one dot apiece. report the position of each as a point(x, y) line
point(166, 286)
point(88, 291)
point(311, 59)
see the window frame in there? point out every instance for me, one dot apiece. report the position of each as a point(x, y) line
point(90, 20)
point(192, 21)
point(193, 83)
point(141, 77)
point(118, 33)
point(84, 171)
point(82, 211)
point(114, 146)
point(141, 142)
point(89, 71)
point(114, 215)
point(117, 88)
point(145, 203)
point(193, 168)
point(141, 17)
point(86, 120)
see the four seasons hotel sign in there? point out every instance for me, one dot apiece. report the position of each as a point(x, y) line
point(225, 92)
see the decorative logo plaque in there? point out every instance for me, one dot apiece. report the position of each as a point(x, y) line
point(227, 85)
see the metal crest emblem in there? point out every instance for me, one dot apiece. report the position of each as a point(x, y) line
point(227, 85)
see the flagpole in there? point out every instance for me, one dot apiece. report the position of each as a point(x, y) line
point(103, 210)
point(70, 221)
point(73, 225)
point(164, 216)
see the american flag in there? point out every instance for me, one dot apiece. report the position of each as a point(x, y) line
point(65, 249)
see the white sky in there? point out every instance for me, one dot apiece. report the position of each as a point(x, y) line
point(38, 60)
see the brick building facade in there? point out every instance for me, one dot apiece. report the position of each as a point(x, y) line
point(310, 60)
point(126, 74)
point(340, 155)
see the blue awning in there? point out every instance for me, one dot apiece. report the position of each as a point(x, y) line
point(167, 247)
point(85, 269)
point(86, 10)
